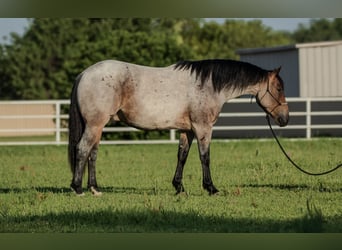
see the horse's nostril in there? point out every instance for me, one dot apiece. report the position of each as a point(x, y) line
point(282, 122)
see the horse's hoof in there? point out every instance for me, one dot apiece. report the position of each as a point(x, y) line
point(181, 193)
point(95, 191)
point(178, 186)
point(212, 190)
point(79, 194)
point(215, 192)
point(77, 190)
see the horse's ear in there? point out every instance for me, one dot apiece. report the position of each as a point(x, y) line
point(277, 70)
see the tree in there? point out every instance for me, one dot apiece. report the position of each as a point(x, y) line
point(213, 40)
point(45, 61)
point(319, 30)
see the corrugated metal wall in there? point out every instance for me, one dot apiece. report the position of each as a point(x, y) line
point(320, 71)
point(308, 70)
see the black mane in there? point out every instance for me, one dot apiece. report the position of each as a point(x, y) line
point(224, 73)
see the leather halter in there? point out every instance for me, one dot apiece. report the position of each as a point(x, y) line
point(258, 100)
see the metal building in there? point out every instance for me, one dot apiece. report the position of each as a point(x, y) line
point(308, 69)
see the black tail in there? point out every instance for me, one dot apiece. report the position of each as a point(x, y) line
point(76, 125)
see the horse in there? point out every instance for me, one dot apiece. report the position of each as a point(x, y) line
point(187, 96)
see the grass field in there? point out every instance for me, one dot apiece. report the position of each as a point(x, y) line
point(259, 190)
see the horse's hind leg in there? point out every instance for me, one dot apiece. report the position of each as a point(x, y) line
point(89, 138)
point(92, 184)
point(185, 141)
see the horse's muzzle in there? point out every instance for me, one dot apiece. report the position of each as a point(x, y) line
point(282, 119)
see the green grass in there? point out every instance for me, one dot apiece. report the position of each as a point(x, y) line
point(28, 138)
point(259, 190)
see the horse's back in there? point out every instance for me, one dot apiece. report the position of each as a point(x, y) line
point(142, 96)
point(157, 98)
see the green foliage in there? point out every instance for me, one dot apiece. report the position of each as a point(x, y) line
point(221, 41)
point(259, 190)
point(319, 30)
point(43, 63)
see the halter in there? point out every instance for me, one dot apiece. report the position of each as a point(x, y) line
point(258, 100)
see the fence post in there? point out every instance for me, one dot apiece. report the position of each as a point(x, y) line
point(308, 118)
point(58, 122)
point(172, 135)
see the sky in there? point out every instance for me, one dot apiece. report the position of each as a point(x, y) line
point(9, 25)
point(18, 25)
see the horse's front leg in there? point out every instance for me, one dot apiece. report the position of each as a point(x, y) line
point(185, 142)
point(204, 139)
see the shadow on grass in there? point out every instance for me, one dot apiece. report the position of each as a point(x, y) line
point(139, 190)
point(158, 220)
point(292, 187)
point(54, 190)
point(60, 190)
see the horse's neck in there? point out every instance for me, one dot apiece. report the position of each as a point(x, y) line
point(234, 93)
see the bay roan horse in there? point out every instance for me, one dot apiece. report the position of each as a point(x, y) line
point(187, 96)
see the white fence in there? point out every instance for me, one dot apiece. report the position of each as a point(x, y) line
point(304, 114)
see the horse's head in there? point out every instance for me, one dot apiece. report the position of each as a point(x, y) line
point(271, 98)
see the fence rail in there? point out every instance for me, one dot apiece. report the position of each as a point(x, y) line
point(306, 115)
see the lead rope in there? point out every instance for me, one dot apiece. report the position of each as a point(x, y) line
point(293, 163)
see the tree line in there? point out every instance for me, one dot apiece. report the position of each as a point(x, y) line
point(44, 62)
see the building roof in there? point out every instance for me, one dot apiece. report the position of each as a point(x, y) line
point(287, 47)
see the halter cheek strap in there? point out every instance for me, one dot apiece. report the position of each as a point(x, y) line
point(258, 100)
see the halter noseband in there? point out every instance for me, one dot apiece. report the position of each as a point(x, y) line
point(258, 100)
